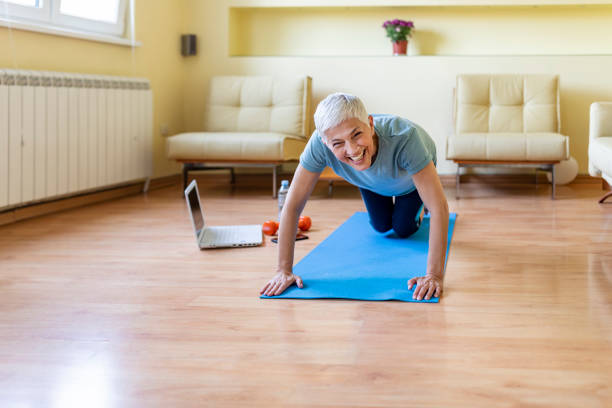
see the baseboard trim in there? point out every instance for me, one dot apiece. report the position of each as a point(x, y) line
point(166, 181)
point(66, 203)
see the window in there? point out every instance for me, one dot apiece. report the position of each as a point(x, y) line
point(29, 3)
point(24, 10)
point(92, 16)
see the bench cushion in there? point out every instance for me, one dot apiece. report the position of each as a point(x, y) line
point(508, 146)
point(507, 118)
point(237, 146)
point(600, 155)
point(600, 140)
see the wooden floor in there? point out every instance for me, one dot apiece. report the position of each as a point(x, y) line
point(113, 305)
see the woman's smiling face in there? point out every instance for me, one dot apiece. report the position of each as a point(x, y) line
point(352, 142)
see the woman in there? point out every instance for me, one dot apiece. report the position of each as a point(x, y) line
point(392, 161)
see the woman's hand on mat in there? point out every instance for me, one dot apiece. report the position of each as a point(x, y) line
point(426, 287)
point(280, 282)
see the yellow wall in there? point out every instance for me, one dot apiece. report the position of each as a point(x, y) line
point(419, 88)
point(461, 40)
point(502, 30)
point(158, 27)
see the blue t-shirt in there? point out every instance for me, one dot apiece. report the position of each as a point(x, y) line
point(404, 149)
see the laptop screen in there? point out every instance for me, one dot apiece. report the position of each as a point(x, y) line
point(196, 211)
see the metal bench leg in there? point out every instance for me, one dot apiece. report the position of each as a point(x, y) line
point(185, 171)
point(604, 198)
point(274, 181)
point(232, 176)
point(552, 171)
point(458, 182)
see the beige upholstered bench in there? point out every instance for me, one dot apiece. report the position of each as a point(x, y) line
point(249, 122)
point(600, 144)
point(508, 120)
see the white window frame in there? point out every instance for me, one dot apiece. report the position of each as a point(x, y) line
point(84, 24)
point(18, 11)
point(49, 15)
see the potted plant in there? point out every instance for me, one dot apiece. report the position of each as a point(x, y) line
point(399, 31)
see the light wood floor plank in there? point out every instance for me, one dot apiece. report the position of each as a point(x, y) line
point(113, 305)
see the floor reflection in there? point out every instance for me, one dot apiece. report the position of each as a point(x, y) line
point(85, 384)
point(600, 291)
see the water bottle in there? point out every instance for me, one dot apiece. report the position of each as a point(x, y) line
point(282, 195)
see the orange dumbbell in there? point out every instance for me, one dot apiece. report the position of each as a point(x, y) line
point(304, 223)
point(270, 227)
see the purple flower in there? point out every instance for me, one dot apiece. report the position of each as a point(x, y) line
point(398, 22)
point(398, 30)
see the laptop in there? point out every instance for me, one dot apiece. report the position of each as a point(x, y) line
point(221, 236)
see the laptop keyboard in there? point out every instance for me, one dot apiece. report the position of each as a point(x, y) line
point(228, 235)
point(221, 235)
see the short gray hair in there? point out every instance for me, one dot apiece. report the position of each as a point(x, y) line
point(336, 108)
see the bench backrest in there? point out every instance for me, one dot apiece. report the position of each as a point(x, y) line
point(259, 104)
point(507, 103)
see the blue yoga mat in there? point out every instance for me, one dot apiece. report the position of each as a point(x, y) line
point(356, 262)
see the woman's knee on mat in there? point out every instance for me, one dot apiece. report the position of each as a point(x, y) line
point(405, 229)
point(381, 225)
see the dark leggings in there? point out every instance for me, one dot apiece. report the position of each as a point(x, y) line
point(385, 214)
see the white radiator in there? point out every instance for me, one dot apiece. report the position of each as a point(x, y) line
point(63, 133)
